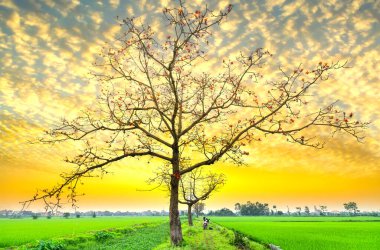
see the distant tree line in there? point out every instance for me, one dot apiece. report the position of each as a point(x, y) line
point(247, 209)
point(262, 209)
point(36, 215)
point(221, 212)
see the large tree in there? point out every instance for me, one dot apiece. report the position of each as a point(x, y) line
point(156, 103)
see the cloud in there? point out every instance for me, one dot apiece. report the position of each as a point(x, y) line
point(114, 3)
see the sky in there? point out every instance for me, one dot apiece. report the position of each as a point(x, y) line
point(47, 49)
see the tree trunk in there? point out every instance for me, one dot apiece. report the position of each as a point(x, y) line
point(175, 223)
point(189, 215)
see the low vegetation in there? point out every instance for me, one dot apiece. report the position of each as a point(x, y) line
point(215, 237)
point(46, 229)
point(305, 233)
point(238, 232)
point(127, 233)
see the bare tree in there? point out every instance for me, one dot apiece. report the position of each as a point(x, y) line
point(196, 187)
point(154, 104)
point(199, 207)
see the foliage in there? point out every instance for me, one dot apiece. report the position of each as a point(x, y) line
point(241, 241)
point(35, 216)
point(142, 237)
point(66, 215)
point(50, 245)
point(256, 208)
point(351, 207)
point(103, 236)
point(221, 212)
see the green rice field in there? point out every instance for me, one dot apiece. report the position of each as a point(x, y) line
point(149, 232)
point(15, 232)
point(309, 233)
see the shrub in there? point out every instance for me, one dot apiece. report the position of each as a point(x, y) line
point(35, 216)
point(49, 245)
point(241, 241)
point(125, 230)
point(103, 236)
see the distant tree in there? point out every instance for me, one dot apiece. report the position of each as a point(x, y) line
point(35, 216)
point(66, 215)
point(351, 207)
point(288, 209)
point(93, 215)
point(199, 207)
point(307, 210)
point(275, 209)
point(156, 102)
point(316, 210)
point(280, 212)
point(323, 210)
point(77, 215)
point(298, 210)
point(237, 208)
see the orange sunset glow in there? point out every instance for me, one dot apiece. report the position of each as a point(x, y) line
point(48, 48)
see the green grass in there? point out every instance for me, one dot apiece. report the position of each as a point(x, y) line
point(15, 232)
point(195, 238)
point(143, 238)
point(304, 233)
point(290, 233)
point(140, 233)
